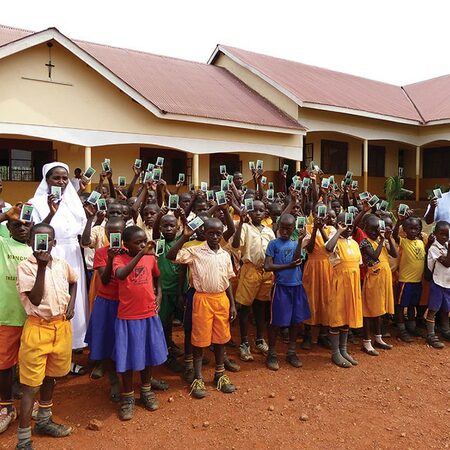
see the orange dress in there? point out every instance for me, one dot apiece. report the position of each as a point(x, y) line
point(345, 306)
point(317, 280)
point(377, 292)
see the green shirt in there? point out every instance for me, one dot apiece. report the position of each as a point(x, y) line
point(169, 270)
point(11, 254)
point(4, 232)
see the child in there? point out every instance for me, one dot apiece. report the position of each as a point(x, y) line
point(377, 293)
point(289, 306)
point(439, 297)
point(139, 342)
point(345, 307)
point(411, 266)
point(213, 304)
point(47, 287)
point(255, 285)
point(100, 335)
point(13, 250)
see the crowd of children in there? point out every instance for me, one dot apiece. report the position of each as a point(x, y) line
point(315, 253)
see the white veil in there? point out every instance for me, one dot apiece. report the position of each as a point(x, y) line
point(69, 200)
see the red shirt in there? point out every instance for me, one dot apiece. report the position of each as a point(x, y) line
point(109, 291)
point(136, 292)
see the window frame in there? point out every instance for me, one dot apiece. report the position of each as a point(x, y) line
point(325, 144)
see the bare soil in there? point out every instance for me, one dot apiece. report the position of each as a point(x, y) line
point(400, 399)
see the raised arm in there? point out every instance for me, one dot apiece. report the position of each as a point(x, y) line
point(331, 244)
point(37, 291)
point(173, 252)
point(123, 272)
point(137, 172)
point(431, 210)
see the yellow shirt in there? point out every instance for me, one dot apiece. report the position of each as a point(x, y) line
point(254, 244)
point(412, 260)
point(211, 271)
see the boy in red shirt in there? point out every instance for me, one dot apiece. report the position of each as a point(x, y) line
point(139, 342)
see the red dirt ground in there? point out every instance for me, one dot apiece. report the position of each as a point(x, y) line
point(400, 399)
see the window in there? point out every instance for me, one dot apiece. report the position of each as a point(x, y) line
point(436, 162)
point(22, 160)
point(377, 155)
point(308, 154)
point(216, 160)
point(334, 157)
point(174, 162)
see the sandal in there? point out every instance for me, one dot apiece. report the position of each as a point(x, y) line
point(50, 428)
point(97, 372)
point(434, 341)
point(76, 369)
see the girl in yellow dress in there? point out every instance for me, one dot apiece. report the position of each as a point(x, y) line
point(345, 306)
point(317, 279)
point(377, 292)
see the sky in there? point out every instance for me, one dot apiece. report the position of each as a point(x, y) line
point(394, 41)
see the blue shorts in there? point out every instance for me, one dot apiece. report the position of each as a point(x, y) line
point(187, 318)
point(408, 294)
point(438, 298)
point(289, 306)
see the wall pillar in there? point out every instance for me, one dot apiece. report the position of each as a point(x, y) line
point(195, 171)
point(417, 174)
point(365, 165)
point(298, 166)
point(87, 163)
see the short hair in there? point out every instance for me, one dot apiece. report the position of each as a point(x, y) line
point(151, 205)
point(128, 233)
point(42, 226)
point(209, 223)
point(287, 219)
point(168, 216)
point(441, 224)
point(410, 220)
point(115, 221)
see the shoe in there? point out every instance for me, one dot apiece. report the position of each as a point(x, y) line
point(198, 389)
point(148, 400)
point(434, 341)
point(25, 446)
point(371, 352)
point(177, 323)
point(383, 345)
point(294, 360)
point(34, 411)
point(188, 375)
point(159, 385)
point(307, 342)
point(261, 346)
point(323, 341)
point(126, 409)
point(272, 362)
point(174, 350)
point(231, 365)
point(405, 336)
point(244, 352)
point(98, 371)
point(6, 418)
point(415, 332)
point(231, 344)
point(50, 428)
point(224, 384)
point(446, 335)
point(173, 365)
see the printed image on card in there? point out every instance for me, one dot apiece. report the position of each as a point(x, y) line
point(285, 168)
point(160, 161)
point(181, 177)
point(402, 208)
point(196, 223)
point(223, 169)
point(204, 186)
point(93, 197)
point(56, 192)
point(381, 225)
point(41, 242)
point(322, 211)
point(251, 165)
point(157, 174)
point(248, 203)
point(224, 185)
point(348, 219)
point(209, 195)
point(26, 213)
point(300, 222)
point(106, 167)
point(221, 198)
point(101, 204)
point(138, 163)
point(173, 201)
point(325, 183)
point(373, 200)
point(364, 195)
point(259, 164)
point(437, 193)
point(150, 167)
point(89, 172)
point(270, 194)
point(115, 240)
point(122, 181)
point(160, 245)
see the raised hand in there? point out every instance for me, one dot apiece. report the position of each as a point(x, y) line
point(53, 206)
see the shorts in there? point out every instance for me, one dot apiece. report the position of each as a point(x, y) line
point(439, 298)
point(408, 294)
point(167, 308)
point(139, 343)
point(9, 346)
point(289, 306)
point(187, 318)
point(45, 350)
point(253, 284)
point(210, 319)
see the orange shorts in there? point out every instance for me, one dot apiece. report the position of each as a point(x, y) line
point(210, 319)
point(9, 346)
point(254, 284)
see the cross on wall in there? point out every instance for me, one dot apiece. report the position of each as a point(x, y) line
point(49, 65)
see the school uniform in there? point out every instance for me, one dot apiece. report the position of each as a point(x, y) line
point(211, 271)
point(254, 283)
point(289, 304)
point(139, 334)
point(46, 342)
point(377, 292)
point(439, 295)
point(317, 277)
point(100, 335)
point(345, 306)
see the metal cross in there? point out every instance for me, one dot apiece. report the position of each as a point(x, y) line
point(49, 65)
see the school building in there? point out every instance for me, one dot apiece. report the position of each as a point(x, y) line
point(81, 102)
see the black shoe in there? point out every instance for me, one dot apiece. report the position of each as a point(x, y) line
point(50, 428)
point(324, 341)
point(307, 342)
point(272, 362)
point(173, 365)
point(231, 365)
point(294, 360)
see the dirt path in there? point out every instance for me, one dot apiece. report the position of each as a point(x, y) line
point(399, 400)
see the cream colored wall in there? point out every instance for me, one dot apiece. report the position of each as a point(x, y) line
point(92, 103)
point(258, 84)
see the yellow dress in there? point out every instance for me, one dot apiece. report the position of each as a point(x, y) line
point(317, 280)
point(377, 292)
point(345, 306)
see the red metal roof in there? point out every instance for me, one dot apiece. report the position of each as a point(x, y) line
point(431, 97)
point(182, 87)
point(326, 87)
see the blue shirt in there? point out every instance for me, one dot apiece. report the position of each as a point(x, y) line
point(282, 252)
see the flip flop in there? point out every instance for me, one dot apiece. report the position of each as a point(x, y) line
point(76, 369)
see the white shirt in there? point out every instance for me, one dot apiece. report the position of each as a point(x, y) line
point(76, 183)
point(441, 274)
point(442, 211)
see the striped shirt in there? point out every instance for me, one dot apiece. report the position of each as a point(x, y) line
point(211, 271)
